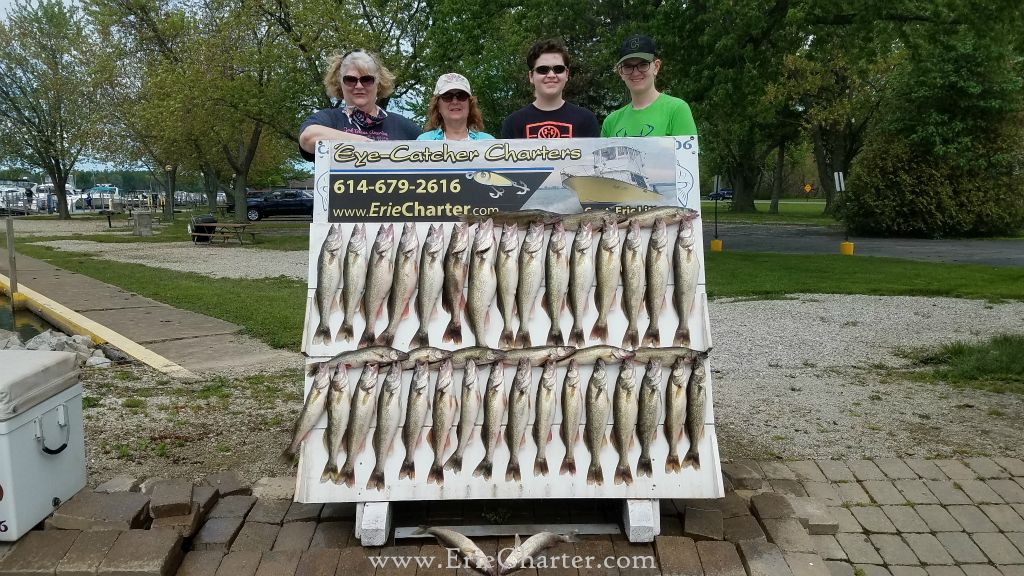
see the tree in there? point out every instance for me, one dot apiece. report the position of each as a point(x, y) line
point(48, 112)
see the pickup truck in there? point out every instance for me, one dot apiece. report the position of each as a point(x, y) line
point(723, 194)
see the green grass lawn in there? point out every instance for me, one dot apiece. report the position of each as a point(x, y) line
point(794, 211)
point(996, 365)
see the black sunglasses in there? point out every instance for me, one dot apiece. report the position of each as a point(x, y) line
point(455, 95)
point(351, 81)
point(557, 69)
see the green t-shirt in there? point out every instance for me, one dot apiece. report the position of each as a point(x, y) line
point(666, 116)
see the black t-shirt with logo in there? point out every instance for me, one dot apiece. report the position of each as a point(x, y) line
point(569, 121)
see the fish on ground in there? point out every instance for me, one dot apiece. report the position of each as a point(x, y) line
point(696, 396)
point(455, 265)
point(675, 413)
point(572, 412)
point(531, 547)
point(339, 402)
point(404, 283)
point(507, 273)
point(312, 408)
point(686, 268)
point(416, 407)
point(531, 273)
point(656, 268)
point(354, 279)
point(328, 279)
point(469, 408)
point(518, 417)
point(441, 422)
point(597, 407)
point(379, 276)
point(389, 416)
point(608, 266)
point(544, 416)
point(452, 540)
point(431, 281)
point(632, 284)
point(556, 282)
point(624, 415)
point(581, 279)
point(360, 420)
point(648, 415)
point(494, 412)
point(482, 282)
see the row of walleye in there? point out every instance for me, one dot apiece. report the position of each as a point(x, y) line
point(476, 268)
point(635, 411)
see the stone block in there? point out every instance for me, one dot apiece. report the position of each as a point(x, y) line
point(824, 491)
point(893, 550)
point(122, 483)
point(871, 570)
point(233, 507)
point(206, 497)
point(240, 563)
point(1007, 489)
point(883, 492)
point(295, 536)
point(301, 512)
point(676, 555)
point(1015, 570)
point(374, 522)
point(916, 492)
point(742, 476)
point(268, 511)
point(734, 505)
point(720, 559)
point(788, 534)
point(1017, 538)
point(228, 484)
point(980, 570)
point(836, 471)
point(865, 470)
point(5, 548)
point(907, 571)
point(771, 506)
point(86, 554)
point(858, 548)
point(961, 547)
point(354, 560)
point(814, 515)
point(806, 471)
point(558, 559)
point(332, 535)
point(94, 511)
point(278, 488)
point(763, 559)
point(905, 519)
point(998, 548)
point(143, 553)
point(846, 520)
point(839, 568)
point(928, 549)
point(926, 469)
point(200, 563)
point(873, 519)
point(702, 524)
point(255, 536)
point(895, 469)
point(986, 467)
point(641, 520)
point(828, 547)
point(171, 498)
point(679, 505)
point(320, 562)
point(852, 493)
point(150, 483)
point(1004, 517)
point(788, 487)
point(217, 534)
point(776, 470)
point(972, 518)
point(338, 511)
point(38, 552)
point(741, 528)
point(186, 525)
point(938, 518)
point(1015, 466)
point(671, 526)
point(980, 492)
point(806, 564)
point(947, 492)
point(279, 563)
point(956, 470)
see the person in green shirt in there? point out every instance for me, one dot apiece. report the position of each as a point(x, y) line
point(650, 113)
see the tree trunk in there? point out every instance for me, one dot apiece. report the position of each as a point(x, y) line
point(743, 182)
point(212, 186)
point(60, 187)
point(780, 163)
point(241, 182)
point(172, 176)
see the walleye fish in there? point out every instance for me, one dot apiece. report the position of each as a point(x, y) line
point(354, 279)
point(675, 413)
point(468, 410)
point(494, 411)
point(379, 275)
point(518, 417)
point(547, 398)
point(404, 283)
point(531, 272)
point(328, 279)
point(648, 414)
point(624, 421)
point(430, 282)
point(360, 420)
point(666, 355)
point(452, 299)
point(539, 354)
point(441, 423)
point(657, 282)
point(597, 408)
point(632, 284)
point(528, 549)
point(686, 268)
point(696, 396)
point(608, 264)
point(427, 354)
point(450, 539)
point(482, 281)
point(607, 353)
point(556, 282)
point(368, 355)
point(592, 217)
point(311, 411)
point(507, 273)
point(338, 405)
point(669, 214)
point(519, 217)
point(581, 279)
point(389, 416)
point(416, 407)
point(572, 411)
point(480, 355)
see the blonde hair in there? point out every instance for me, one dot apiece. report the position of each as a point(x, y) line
point(363, 61)
point(474, 122)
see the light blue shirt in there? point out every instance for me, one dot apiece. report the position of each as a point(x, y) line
point(438, 134)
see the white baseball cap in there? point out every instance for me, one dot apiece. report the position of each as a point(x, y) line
point(452, 81)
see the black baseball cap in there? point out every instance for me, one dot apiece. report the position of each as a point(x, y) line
point(637, 46)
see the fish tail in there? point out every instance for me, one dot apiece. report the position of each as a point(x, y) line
point(653, 335)
point(345, 332)
point(408, 470)
point(436, 475)
point(672, 463)
point(376, 481)
point(576, 335)
point(595, 475)
point(692, 458)
point(420, 338)
point(347, 476)
point(507, 339)
point(623, 475)
point(682, 337)
point(330, 473)
point(568, 466)
point(322, 334)
point(453, 333)
point(600, 331)
point(555, 336)
point(644, 467)
point(386, 338)
point(483, 469)
point(454, 463)
point(367, 338)
point(289, 455)
point(632, 338)
point(522, 338)
point(540, 467)
point(512, 472)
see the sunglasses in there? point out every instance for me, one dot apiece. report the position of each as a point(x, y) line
point(455, 95)
point(557, 69)
point(351, 81)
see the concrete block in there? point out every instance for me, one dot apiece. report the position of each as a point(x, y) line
point(839, 568)
point(938, 518)
point(38, 552)
point(150, 483)
point(972, 518)
point(771, 506)
point(278, 488)
point(702, 524)
point(86, 554)
point(998, 548)
point(332, 535)
point(814, 515)
point(217, 534)
point(742, 476)
point(375, 523)
point(1017, 538)
point(94, 511)
point(947, 492)
point(122, 483)
point(200, 563)
point(171, 498)
point(961, 547)
point(241, 563)
point(741, 528)
point(824, 491)
point(956, 470)
point(720, 559)
point(905, 519)
point(295, 536)
point(268, 511)
point(233, 507)
point(871, 570)
point(735, 505)
point(671, 526)
point(928, 549)
point(915, 491)
point(1007, 489)
point(845, 519)
point(907, 571)
point(788, 534)
point(354, 560)
point(926, 469)
point(828, 547)
point(836, 471)
point(143, 553)
point(185, 525)
point(677, 555)
point(788, 487)
point(893, 550)
point(873, 519)
point(206, 497)
point(338, 511)
point(986, 467)
point(852, 493)
point(980, 492)
point(1015, 570)
point(776, 470)
point(1004, 517)
point(865, 470)
point(762, 559)
point(255, 536)
point(895, 469)
point(858, 548)
point(806, 471)
point(980, 570)
point(806, 564)
point(641, 520)
point(1015, 466)
point(322, 562)
point(883, 492)
point(300, 512)
point(228, 484)
point(279, 563)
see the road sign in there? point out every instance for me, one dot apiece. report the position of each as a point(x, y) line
point(808, 187)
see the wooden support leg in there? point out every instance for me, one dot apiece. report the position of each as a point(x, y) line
point(373, 523)
point(641, 520)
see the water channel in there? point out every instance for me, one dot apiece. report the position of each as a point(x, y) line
point(23, 322)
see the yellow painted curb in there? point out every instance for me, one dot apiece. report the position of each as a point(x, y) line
point(74, 323)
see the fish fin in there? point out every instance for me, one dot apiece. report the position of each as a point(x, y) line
point(421, 529)
point(419, 339)
point(576, 336)
point(318, 334)
point(595, 475)
point(347, 476)
point(555, 336)
point(682, 337)
point(623, 475)
point(518, 542)
point(644, 467)
point(367, 338)
point(653, 335)
point(483, 469)
point(376, 481)
point(672, 463)
point(454, 463)
point(599, 332)
point(405, 311)
point(330, 472)
point(506, 340)
point(631, 338)
point(408, 470)
point(289, 456)
point(522, 339)
point(453, 333)
point(436, 475)
point(568, 466)
point(540, 467)
point(345, 332)
point(692, 458)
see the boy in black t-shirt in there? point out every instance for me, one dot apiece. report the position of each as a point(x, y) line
point(549, 116)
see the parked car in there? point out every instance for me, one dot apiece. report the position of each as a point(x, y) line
point(723, 194)
point(279, 203)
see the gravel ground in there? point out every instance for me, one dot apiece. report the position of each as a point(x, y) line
point(56, 227)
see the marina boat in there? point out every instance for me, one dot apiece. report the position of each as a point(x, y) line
point(616, 175)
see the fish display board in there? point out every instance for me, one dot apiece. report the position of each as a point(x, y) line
point(403, 206)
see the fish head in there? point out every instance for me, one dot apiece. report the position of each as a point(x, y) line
point(484, 239)
point(523, 366)
point(633, 235)
point(609, 234)
point(396, 355)
point(340, 379)
point(385, 240)
point(572, 373)
point(444, 373)
point(584, 238)
point(333, 241)
point(547, 377)
point(357, 240)
point(459, 239)
point(534, 237)
point(420, 374)
point(497, 376)
point(653, 365)
point(557, 241)
point(368, 377)
point(560, 352)
point(435, 240)
point(685, 239)
point(623, 354)
point(492, 355)
point(689, 215)
point(393, 379)
point(409, 242)
point(659, 235)
point(322, 378)
point(469, 374)
point(437, 355)
point(509, 238)
point(626, 373)
point(599, 369)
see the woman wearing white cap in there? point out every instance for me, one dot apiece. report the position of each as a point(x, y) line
point(453, 113)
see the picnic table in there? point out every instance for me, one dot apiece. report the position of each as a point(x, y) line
point(223, 230)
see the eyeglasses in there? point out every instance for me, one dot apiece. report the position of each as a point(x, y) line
point(455, 95)
point(351, 81)
point(630, 68)
point(557, 69)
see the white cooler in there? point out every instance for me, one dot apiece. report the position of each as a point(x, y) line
point(42, 445)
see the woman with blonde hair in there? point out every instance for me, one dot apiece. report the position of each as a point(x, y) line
point(358, 79)
point(453, 113)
